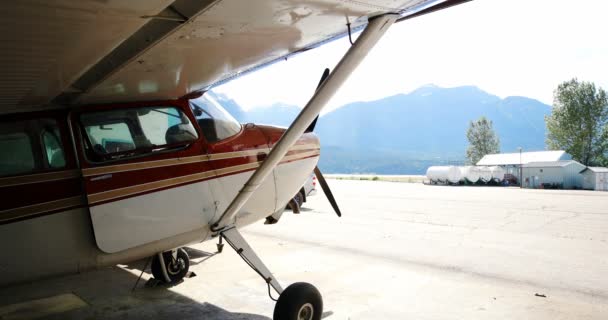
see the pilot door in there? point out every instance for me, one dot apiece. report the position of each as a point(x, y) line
point(145, 171)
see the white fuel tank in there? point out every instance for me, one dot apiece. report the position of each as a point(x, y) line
point(444, 174)
point(470, 173)
point(498, 173)
point(485, 174)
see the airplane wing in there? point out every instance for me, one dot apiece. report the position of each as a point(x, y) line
point(90, 51)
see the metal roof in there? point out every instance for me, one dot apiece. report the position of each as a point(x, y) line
point(595, 169)
point(550, 164)
point(502, 159)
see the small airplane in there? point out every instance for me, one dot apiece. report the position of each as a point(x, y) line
point(111, 152)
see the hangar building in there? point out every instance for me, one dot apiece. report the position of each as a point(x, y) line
point(511, 161)
point(595, 178)
point(563, 174)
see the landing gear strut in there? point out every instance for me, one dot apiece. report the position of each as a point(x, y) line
point(170, 267)
point(300, 301)
point(220, 245)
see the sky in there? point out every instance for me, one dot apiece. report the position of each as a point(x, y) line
point(505, 47)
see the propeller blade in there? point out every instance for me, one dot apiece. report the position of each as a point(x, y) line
point(327, 191)
point(312, 125)
point(318, 173)
point(323, 77)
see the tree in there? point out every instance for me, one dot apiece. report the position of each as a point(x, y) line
point(578, 122)
point(482, 140)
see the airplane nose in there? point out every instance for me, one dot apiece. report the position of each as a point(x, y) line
point(273, 134)
point(308, 142)
point(312, 139)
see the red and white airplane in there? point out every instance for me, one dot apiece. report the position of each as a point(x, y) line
point(110, 151)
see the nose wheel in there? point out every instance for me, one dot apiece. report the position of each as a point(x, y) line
point(300, 301)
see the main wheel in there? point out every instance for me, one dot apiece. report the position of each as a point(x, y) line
point(176, 268)
point(294, 205)
point(299, 198)
point(300, 301)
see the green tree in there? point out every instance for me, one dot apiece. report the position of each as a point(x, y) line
point(578, 122)
point(482, 140)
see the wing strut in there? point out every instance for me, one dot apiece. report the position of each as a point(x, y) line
point(357, 52)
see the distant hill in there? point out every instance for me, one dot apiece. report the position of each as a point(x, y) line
point(405, 133)
point(277, 114)
point(433, 121)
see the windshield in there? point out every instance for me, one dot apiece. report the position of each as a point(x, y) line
point(215, 122)
point(114, 134)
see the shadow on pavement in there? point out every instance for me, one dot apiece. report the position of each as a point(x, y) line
point(107, 293)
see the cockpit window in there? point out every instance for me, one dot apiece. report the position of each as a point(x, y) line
point(215, 122)
point(116, 134)
point(30, 146)
point(55, 158)
point(17, 156)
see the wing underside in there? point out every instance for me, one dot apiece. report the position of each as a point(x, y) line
point(90, 52)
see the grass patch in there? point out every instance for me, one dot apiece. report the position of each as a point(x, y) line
point(390, 178)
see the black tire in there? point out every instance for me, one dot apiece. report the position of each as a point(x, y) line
point(176, 269)
point(299, 198)
point(294, 206)
point(300, 300)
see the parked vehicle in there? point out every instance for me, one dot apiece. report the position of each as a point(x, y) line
point(308, 189)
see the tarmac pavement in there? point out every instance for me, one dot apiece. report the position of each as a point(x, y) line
point(400, 251)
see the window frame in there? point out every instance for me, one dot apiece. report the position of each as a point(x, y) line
point(85, 143)
point(192, 105)
point(37, 123)
point(36, 158)
point(47, 161)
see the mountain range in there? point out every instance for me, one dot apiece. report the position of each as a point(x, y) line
point(405, 133)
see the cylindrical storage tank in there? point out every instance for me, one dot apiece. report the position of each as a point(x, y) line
point(485, 174)
point(433, 174)
point(443, 174)
point(454, 175)
point(470, 173)
point(498, 173)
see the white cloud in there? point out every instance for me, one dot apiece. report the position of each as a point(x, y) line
point(514, 47)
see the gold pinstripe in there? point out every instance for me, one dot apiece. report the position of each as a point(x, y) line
point(300, 156)
point(238, 154)
point(37, 178)
point(305, 147)
point(141, 165)
point(25, 211)
point(127, 191)
point(170, 162)
point(145, 187)
point(33, 209)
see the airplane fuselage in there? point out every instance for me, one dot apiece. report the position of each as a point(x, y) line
point(101, 189)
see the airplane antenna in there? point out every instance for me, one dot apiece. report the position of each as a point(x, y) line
point(349, 33)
